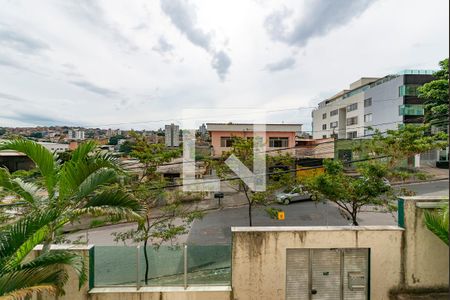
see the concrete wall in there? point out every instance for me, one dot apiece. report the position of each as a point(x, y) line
point(259, 256)
point(169, 293)
point(426, 257)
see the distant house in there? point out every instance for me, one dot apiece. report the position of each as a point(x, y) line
point(277, 136)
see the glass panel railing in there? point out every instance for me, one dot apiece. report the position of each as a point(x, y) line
point(115, 265)
point(161, 266)
point(209, 265)
point(165, 266)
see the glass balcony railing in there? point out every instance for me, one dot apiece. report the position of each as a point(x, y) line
point(167, 265)
point(411, 110)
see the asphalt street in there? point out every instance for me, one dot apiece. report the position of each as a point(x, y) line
point(214, 228)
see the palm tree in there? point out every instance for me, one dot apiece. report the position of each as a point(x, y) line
point(74, 188)
point(21, 276)
point(437, 222)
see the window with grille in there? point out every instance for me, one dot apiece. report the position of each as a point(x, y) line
point(352, 121)
point(352, 134)
point(334, 112)
point(276, 142)
point(333, 124)
point(226, 141)
point(368, 102)
point(368, 118)
point(324, 126)
point(324, 116)
point(352, 107)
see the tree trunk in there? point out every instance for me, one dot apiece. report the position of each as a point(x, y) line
point(250, 215)
point(249, 205)
point(145, 249)
point(355, 222)
point(146, 262)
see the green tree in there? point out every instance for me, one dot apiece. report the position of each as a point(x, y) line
point(126, 147)
point(437, 222)
point(20, 276)
point(37, 135)
point(277, 163)
point(2, 131)
point(435, 94)
point(351, 194)
point(114, 139)
point(72, 189)
point(403, 143)
point(159, 224)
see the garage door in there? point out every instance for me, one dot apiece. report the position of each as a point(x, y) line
point(327, 274)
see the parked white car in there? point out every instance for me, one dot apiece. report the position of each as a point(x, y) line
point(293, 195)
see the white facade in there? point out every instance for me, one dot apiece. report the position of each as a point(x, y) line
point(75, 134)
point(55, 147)
point(342, 115)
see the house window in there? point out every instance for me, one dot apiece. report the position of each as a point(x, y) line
point(352, 134)
point(324, 126)
point(368, 132)
point(324, 136)
point(333, 124)
point(324, 116)
point(352, 107)
point(275, 142)
point(368, 118)
point(352, 121)
point(368, 102)
point(334, 112)
point(226, 141)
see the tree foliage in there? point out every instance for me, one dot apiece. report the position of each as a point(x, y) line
point(164, 223)
point(437, 222)
point(277, 163)
point(20, 276)
point(73, 188)
point(403, 143)
point(435, 94)
point(351, 194)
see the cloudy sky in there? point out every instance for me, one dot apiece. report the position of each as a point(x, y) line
point(140, 64)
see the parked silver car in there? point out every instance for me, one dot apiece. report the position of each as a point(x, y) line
point(293, 195)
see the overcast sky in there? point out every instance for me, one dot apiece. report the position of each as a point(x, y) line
point(139, 64)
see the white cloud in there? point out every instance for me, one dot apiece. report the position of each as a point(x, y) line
point(105, 62)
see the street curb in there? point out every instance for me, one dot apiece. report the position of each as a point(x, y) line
point(420, 181)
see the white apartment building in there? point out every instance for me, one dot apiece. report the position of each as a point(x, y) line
point(55, 147)
point(380, 103)
point(342, 115)
point(75, 134)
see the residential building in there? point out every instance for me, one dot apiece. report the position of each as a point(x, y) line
point(58, 147)
point(75, 134)
point(277, 136)
point(172, 135)
point(380, 103)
